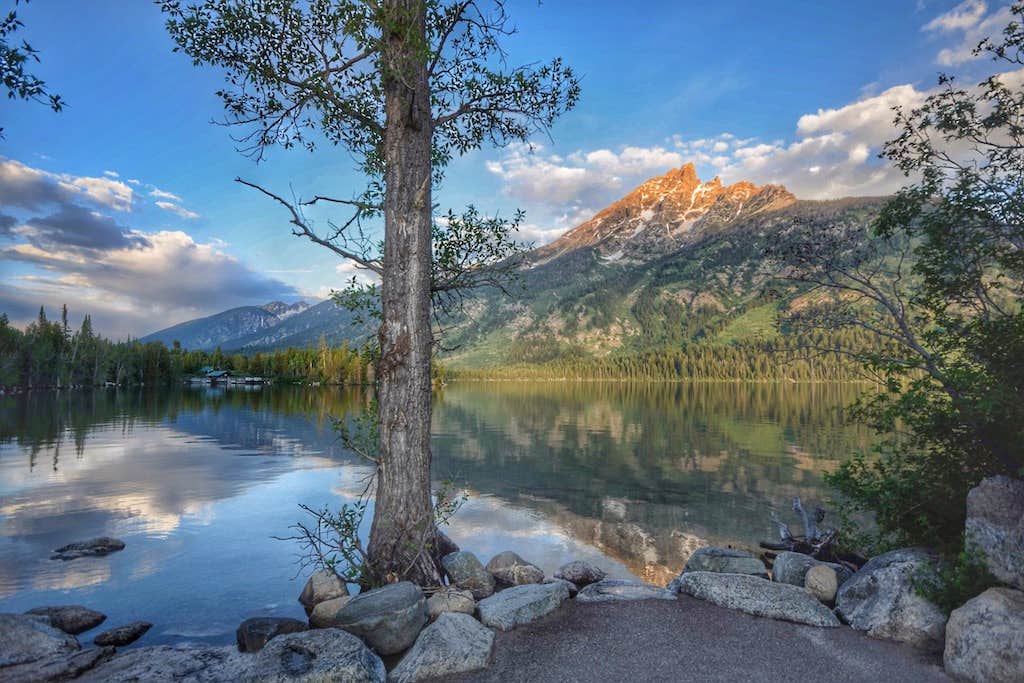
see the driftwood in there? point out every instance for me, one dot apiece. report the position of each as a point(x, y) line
point(815, 541)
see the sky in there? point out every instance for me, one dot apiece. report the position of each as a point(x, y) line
point(124, 205)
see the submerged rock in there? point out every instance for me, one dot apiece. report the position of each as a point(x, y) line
point(387, 618)
point(995, 524)
point(94, 547)
point(323, 585)
point(450, 600)
point(985, 638)
point(792, 568)
point(520, 605)
point(757, 596)
point(455, 643)
point(253, 634)
point(166, 664)
point(73, 619)
point(325, 614)
point(317, 657)
point(27, 638)
point(580, 573)
point(619, 589)
point(466, 572)
point(725, 561)
point(881, 600)
point(509, 569)
point(123, 635)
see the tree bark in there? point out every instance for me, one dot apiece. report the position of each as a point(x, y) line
point(403, 524)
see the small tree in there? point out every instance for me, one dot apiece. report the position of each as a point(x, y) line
point(405, 86)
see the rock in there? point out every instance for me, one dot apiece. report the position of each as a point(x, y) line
point(27, 638)
point(995, 524)
point(455, 643)
point(725, 561)
point(985, 638)
point(509, 569)
point(123, 635)
point(450, 600)
point(387, 618)
point(321, 586)
point(94, 547)
point(580, 573)
point(325, 614)
point(881, 600)
point(467, 573)
point(821, 582)
point(73, 619)
point(573, 589)
point(618, 589)
point(164, 664)
point(757, 596)
point(319, 656)
point(443, 545)
point(520, 605)
point(792, 568)
point(253, 634)
point(59, 668)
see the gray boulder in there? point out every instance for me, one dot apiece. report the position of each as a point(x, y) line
point(56, 668)
point(509, 569)
point(27, 638)
point(985, 638)
point(123, 635)
point(821, 582)
point(466, 572)
point(387, 618)
point(94, 547)
point(995, 524)
point(450, 600)
point(725, 561)
point(573, 588)
point(580, 573)
point(792, 568)
point(881, 600)
point(453, 644)
point(73, 619)
point(610, 590)
point(253, 634)
point(757, 596)
point(317, 657)
point(325, 614)
point(322, 585)
point(520, 605)
point(166, 664)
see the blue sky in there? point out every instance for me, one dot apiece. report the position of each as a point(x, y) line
point(798, 93)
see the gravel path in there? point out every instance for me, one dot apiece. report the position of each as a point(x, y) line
point(691, 640)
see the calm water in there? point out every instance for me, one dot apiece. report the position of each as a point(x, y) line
point(197, 482)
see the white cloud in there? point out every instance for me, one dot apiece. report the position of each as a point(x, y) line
point(32, 188)
point(112, 174)
point(163, 194)
point(970, 24)
point(174, 208)
point(348, 269)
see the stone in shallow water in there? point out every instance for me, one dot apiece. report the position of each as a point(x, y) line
point(450, 600)
point(610, 590)
point(253, 634)
point(757, 596)
point(27, 638)
point(387, 618)
point(453, 644)
point(509, 569)
point(94, 547)
point(580, 573)
point(466, 572)
point(792, 568)
point(725, 561)
point(318, 656)
point(322, 585)
point(520, 605)
point(985, 638)
point(73, 619)
point(123, 635)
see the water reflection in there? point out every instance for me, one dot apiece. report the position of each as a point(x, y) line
point(197, 482)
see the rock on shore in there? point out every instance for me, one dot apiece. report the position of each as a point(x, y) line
point(725, 561)
point(73, 619)
point(610, 590)
point(521, 604)
point(985, 638)
point(792, 568)
point(317, 657)
point(27, 638)
point(453, 644)
point(387, 618)
point(509, 569)
point(757, 596)
point(995, 524)
point(466, 573)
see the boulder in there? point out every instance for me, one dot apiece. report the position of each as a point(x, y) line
point(509, 569)
point(995, 525)
point(56, 668)
point(321, 586)
point(792, 568)
point(319, 656)
point(757, 596)
point(167, 664)
point(73, 619)
point(453, 644)
point(573, 588)
point(985, 638)
point(821, 582)
point(466, 572)
point(450, 600)
point(387, 618)
point(725, 561)
point(94, 547)
point(520, 605)
point(253, 634)
point(881, 600)
point(325, 614)
point(610, 590)
point(443, 545)
point(27, 638)
point(123, 635)
point(580, 573)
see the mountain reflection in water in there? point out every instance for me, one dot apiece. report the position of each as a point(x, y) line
point(199, 481)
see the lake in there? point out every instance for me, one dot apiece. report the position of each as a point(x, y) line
point(199, 482)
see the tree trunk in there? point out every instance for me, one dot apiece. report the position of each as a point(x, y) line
point(403, 525)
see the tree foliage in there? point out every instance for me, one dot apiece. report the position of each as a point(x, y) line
point(15, 60)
